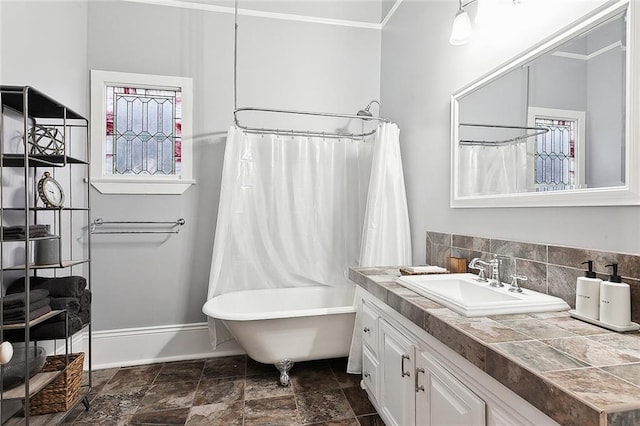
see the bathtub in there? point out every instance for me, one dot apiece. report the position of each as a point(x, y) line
point(287, 325)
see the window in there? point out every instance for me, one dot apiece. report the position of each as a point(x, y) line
point(556, 158)
point(139, 125)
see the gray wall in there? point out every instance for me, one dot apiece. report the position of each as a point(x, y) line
point(148, 281)
point(420, 70)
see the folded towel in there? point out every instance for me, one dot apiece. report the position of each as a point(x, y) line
point(85, 300)
point(71, 286)
point(21, 311)
point(17, 300)
point(32, 315)
point(84, 316)
point(420, 270)
point(19, 232)
point(71, 304)
point(50, 329)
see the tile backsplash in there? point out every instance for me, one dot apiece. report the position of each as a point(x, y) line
point(551, 269)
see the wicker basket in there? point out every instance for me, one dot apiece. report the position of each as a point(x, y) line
point(62, 393)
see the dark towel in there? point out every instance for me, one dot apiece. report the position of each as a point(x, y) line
point(71, 304)
point(50, 329)
point(19, 232)
point(37, 313)
point(71, 286)
point(85, 300)
point(85, 316)
point(16, 300)
point(21, 311)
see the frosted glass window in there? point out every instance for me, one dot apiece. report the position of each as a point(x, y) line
point(143, 131)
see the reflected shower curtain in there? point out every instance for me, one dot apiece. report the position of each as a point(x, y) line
point(290, 213)
point(492, 170)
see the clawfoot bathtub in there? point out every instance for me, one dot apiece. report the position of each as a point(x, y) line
point(287, 325)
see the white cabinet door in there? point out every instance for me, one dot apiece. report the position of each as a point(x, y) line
point(442, 400)
point(397, 394)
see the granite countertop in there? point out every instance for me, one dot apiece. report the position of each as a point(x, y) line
point(574, 372)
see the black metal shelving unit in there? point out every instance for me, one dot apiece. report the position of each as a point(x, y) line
point(24, 108)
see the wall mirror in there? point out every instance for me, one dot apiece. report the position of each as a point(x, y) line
point(555, 126)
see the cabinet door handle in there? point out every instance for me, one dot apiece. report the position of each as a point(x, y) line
point(366, 374)
point(419, 388)
point(366, 329)
point(404, 373)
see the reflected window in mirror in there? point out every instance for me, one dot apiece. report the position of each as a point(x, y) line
point(556, 153)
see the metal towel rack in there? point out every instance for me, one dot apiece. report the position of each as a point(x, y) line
point(175, 225)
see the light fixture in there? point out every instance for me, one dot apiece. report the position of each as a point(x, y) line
point(461, 30)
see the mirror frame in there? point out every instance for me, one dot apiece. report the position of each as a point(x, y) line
point(627, 194)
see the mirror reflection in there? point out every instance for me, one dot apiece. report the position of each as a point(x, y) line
point(554, 123)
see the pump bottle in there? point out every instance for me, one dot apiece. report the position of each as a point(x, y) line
point(615, 300)
point(588, 293)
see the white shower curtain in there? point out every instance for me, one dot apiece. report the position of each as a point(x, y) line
point(492, 170)
point(290, 212)
point(292, 209)
point(386, 236)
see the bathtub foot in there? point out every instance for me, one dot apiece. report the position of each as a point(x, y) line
point(283, 367)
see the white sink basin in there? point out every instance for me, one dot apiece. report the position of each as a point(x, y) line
point(463, 294)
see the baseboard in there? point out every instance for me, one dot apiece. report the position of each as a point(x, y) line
point(148, 345)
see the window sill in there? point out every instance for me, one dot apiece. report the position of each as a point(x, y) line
point(142, 186)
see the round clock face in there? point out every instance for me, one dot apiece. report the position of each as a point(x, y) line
point(50, 191)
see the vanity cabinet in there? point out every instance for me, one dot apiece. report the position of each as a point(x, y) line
point(416, 390)
point(397, 370)
point(441, 399)
point(413, 379)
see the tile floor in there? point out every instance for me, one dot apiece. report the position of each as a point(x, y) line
point(226, 391)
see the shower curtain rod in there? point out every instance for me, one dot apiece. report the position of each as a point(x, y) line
point(503, 142)
point(236, 110)
point(292, 132)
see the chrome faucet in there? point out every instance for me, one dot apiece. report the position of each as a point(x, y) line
point(495, 270)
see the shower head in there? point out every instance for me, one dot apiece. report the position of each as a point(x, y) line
point(366, 111)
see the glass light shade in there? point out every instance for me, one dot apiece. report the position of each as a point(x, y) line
point(461, 30)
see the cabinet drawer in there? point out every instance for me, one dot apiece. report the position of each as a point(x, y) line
point(370, 328)
point(370, 372)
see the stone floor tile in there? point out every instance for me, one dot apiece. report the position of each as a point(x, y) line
point(359, 401)
point(214, 391)
point(230, 366)
point(132, 377)
point(322, 406)
point(216, 415)
point(267, 386)
point(176, 416)
point(311, 379)
point(111, 407)
point(180, 371)
point(166, 396)
point(279, 411)
point(372, 420)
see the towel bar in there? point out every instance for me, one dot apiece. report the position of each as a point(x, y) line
point(99, 222)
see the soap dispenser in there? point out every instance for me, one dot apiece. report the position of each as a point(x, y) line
point(588, 293)
point(615, 300)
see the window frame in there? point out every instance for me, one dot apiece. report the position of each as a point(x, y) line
point(138, 184)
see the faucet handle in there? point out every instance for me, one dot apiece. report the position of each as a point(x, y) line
point(514, 282)
point(474, 265)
